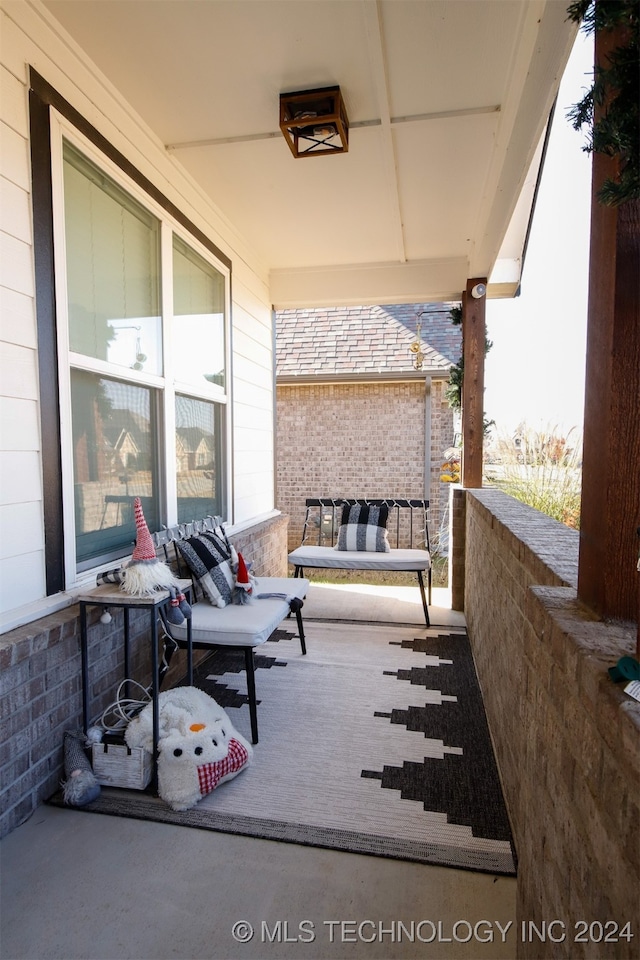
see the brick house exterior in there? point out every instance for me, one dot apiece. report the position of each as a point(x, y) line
point(354, 416)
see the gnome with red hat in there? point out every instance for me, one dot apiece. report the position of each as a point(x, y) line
point(144, 574)
point(244, 591)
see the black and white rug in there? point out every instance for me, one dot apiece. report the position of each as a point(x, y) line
point(375, 742)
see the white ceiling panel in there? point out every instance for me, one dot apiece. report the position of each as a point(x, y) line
point(447, 101)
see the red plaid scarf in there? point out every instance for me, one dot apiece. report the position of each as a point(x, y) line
point(210, 774)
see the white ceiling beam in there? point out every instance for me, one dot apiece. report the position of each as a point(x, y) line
point(358, 125)
point(375, 44)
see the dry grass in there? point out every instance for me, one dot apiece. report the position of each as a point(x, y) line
point(543, 472)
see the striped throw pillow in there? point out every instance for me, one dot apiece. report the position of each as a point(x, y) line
point(364, 528)
point(209, 559)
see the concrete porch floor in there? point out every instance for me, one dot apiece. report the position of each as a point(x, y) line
point(76, 885)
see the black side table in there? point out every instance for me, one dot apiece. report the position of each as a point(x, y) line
point(110, 595)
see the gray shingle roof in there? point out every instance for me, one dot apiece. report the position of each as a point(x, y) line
point(337, 341)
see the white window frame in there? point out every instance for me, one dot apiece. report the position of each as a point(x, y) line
point(166, 386)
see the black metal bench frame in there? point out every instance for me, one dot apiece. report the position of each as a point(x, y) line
point(415, 533)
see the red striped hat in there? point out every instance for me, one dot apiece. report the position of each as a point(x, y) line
point(144, 549)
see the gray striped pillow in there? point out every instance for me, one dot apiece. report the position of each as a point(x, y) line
point(364, 528)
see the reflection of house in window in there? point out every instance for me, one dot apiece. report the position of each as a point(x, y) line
point(195, 449)
point(204, 454)
point(127, 433)
point(127, 449)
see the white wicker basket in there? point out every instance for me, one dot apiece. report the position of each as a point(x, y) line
point(117, 765)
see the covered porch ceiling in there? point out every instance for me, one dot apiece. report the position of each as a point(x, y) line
point(448, 102)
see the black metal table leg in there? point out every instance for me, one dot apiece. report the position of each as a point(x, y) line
point(127, 665)
point(189, 651)
point(154, 696)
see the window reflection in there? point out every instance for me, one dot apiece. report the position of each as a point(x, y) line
point(198, 306)
point(113, 269)
point(114, 461)
point(198, 458)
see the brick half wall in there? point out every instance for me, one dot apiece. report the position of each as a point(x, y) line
point(567, 738)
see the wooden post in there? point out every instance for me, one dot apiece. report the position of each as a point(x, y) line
point(610, 511)
point(473, 341)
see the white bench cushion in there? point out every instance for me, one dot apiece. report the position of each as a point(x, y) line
point(248, 624)
point(328, 557)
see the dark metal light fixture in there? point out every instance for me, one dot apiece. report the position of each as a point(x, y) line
point(314, 122)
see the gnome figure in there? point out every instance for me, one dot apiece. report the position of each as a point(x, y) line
point(145, 574)
point(243, 591)
point(81, 786)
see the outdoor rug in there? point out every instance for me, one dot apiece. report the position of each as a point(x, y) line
point(375, 742)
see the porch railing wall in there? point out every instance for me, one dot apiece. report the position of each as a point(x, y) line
point(567, 738)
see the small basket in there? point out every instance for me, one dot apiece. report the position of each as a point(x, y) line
point(117, 765)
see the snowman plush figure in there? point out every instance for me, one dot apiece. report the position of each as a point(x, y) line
point(198, 749)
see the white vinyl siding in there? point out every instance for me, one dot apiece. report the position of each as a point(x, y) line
point(22, 578)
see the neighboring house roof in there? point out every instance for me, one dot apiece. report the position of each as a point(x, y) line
point(364, 342)
point(124, 429)
point(190, 439)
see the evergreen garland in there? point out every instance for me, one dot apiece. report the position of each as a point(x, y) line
point(453, 390)
point(617, 131)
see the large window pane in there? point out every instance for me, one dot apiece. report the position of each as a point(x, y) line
point(198, 308)
point(113, 269)
point(114, 460)
point(198, 459)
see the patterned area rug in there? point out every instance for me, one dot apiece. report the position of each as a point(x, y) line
point(376, 742)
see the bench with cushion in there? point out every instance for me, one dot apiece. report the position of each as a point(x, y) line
point(201, 551)
point(363, 534)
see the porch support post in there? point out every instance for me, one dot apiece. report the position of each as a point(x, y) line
point(608, 581)
point(473, 340)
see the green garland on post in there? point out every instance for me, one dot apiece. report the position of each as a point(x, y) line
point(453, 390)
point(615, 86)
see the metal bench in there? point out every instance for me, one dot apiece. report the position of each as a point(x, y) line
point(407, 527)
point(237, 627)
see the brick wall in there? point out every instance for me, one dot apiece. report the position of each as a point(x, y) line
point(567, 739)
point(358, 440)
point(41, 697)
point(265, 545)
point(40, 680)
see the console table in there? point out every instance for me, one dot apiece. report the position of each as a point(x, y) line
point(109, 596)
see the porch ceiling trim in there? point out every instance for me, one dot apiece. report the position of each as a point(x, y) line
point(362, 284)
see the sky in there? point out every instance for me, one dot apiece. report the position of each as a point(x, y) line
point(535, 370)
